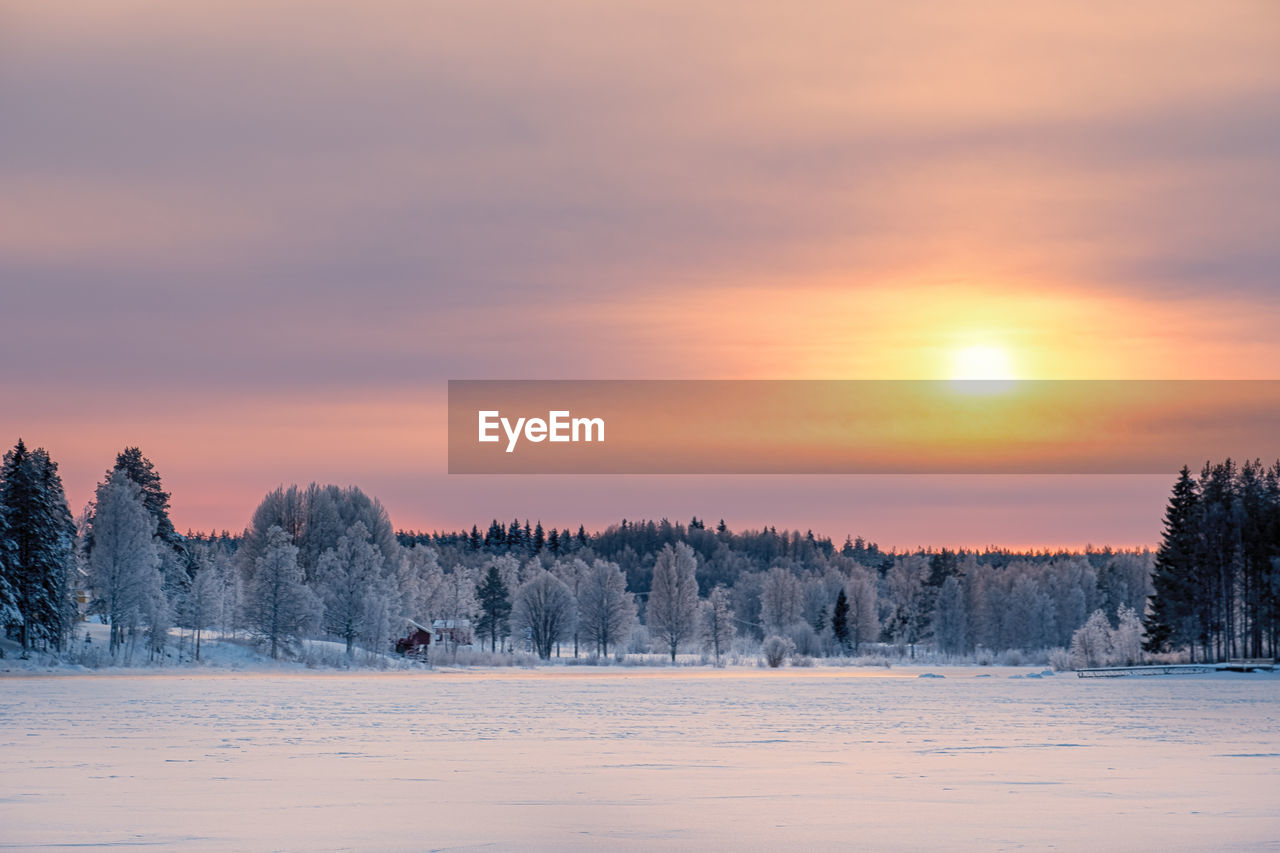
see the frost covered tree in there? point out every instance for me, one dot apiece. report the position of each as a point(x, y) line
point(316, 518)
point(864, 616)
point(355, 596)
point(1091, 643)
point(420, 580)
point(457, 597)
point(1126, 637)
point(781, 600)
point(673, 599)
point(949, 619)
point(124, 564)
point(37, 549)
point(171, 547)
point(573, 573)
point(545, 609)
point(606, 611)
point(201, 604)
point(281, 607)
point(142, 471)
point(717, 623)
point(907, 595)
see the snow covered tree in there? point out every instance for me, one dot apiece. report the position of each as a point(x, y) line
point(864, 616)
point(1091, 643)
point(142, 471)
point(545, 609)
point(573, 573)
point(673, 599)
point(781, 600)
point(353, 589)
point(1126, 637)
point(281, 607)
point(949, 619)
point(420, 581)
point(717, 623)
point(907, 596)
point(316, 518)
point(495, 605)
point(124, 564)
point(606, 611)
point(201, 604)
point(457, 597)
point(37, 549)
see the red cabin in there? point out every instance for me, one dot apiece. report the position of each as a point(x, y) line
point(417, 643)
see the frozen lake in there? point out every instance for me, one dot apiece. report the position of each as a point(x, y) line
point(690, 759)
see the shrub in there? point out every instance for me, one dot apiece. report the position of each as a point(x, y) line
point(776, 649)
point(1060, 659)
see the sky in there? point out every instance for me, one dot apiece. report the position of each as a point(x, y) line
point(257, 238)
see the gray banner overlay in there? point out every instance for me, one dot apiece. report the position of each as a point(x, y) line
point(857, 426)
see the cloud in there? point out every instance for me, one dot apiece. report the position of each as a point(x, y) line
point(244, 199)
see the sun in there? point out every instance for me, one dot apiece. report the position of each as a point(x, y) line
point(982, 362)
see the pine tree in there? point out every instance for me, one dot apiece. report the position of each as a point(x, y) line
point(140, 470)
point(37, 552)
point(840, 620)
point(1172, 604)
point(496, 536)
point(495, 605)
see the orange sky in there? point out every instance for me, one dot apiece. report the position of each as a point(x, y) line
point(256, 238)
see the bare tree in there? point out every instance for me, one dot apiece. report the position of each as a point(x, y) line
point(544, 608)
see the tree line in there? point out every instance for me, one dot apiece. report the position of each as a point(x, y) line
point(324, 562)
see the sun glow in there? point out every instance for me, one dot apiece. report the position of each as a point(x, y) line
point(982, 362)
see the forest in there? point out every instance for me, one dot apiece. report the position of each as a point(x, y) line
point(324, 562)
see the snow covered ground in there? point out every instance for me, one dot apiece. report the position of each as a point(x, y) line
point(639, 759)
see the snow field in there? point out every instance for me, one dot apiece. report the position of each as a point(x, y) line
point(686, 759)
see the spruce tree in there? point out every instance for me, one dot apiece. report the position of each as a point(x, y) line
point(495, 604)
point(840, 620)
point(142, 471)
point(1172, 602)
point(37, 539)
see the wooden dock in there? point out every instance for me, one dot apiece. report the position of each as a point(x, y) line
point(1243, 665)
